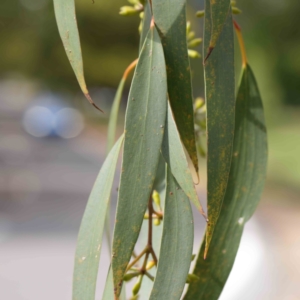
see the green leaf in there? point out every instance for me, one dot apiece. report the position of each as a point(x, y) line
point(177, 244)
point(220, 104)
point(218, 10)
point(67, 25)
point(145, 119)
point(91, 229)
point(174, 155)
point(245, 185)
point(170, 17)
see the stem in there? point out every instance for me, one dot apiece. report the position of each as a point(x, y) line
point(151, 211)
point(149, 276)
point(136, 259)
point(129, 69)
point(241, 42)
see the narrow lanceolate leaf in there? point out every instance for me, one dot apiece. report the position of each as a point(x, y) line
point(91, 230)
point(245, 185)
point(176, 245)
point(220, 103)
point(218, 10)
point(169, 17)
point(145, 119)
point(174, 155)
point(68, 30)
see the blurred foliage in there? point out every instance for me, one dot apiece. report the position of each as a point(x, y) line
point(273, 25)
point(30, 43)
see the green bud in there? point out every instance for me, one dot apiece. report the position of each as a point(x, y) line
point(129, 276)
point(141, 27)
point(233, 3)
point(188, 27)
point(156, 222)
point(128, 11)
point(142, 15)
point(156, 198)
point(193, 54)
point(191, 278)
point(236, 11)
point(190, 35)
point(199, 102)
point(195, 42)
point(146, 216)
point(137, 286)
point(150, 265)
point(200, 13)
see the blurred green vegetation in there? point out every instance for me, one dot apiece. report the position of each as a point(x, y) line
point(31, 46)
point(30, 43)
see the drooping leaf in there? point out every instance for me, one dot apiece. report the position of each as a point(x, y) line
point(145, 119)
point(111, 132)
point(218, 10)
point(245, 185)
point(170, 18)
point(68, 30)
point(176, 245)
point(174, 155)
point(91, 229)
point(220, 104)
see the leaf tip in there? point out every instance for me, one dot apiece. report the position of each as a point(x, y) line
point(88, 97)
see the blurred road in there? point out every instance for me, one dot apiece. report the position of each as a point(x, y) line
point(44, 187)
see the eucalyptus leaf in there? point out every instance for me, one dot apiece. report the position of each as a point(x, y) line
point(220, 105)
point(91, 230)
point(245, 186)
point(174, 155)
point(170, 19)
point(176, 245)
point(68, 30)
point(145, 119)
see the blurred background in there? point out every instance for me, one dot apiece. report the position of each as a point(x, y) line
point(52, 143)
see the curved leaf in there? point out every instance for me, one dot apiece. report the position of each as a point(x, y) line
point(220, 103)
point(174, 155)
point(176, 245)
point(145, 118)
point(245, 185)
point(67, 25)
point(91, 230)
point(170, 19)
